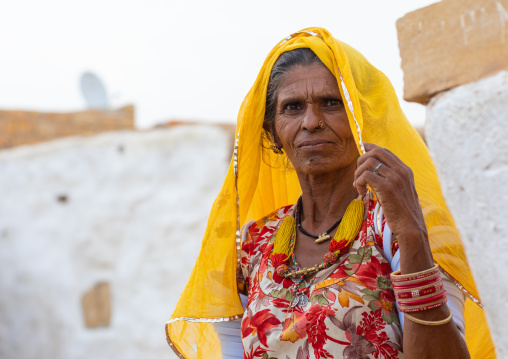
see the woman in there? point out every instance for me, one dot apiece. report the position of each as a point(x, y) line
point(318, 116)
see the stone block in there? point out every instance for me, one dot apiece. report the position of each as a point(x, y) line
point(96, 305)
point(466, 131)
point(452, 43)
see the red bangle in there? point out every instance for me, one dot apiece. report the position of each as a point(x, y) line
point(432, 296)
point(423, 307)
point(431, 299)
point(419, 283)
point(419, 292)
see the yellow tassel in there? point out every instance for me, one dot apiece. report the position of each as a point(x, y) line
point(351, 222)
point(283, 237)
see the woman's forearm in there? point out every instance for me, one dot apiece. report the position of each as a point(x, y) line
point(427, 341)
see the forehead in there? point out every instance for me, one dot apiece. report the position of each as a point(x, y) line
point(313, 80)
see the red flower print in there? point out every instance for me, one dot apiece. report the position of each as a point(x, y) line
point(263, 264)
point(373, 273)
point(339, 273)
point(294, 326)
point(258, 353)
point(259, 324)
point(384, 301)
point(247, 248)
point(362, 235)
point(255, 229)
point(370, 327)
point(254, 291)
point(282, 304)
point(316, 329)
point(347, 289)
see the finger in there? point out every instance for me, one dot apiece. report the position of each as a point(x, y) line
point(382, 154)
point(370, 165)
point(368, 178)
point(387, 157)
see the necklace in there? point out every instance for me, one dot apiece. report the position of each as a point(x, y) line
point(318, 239)
point(300, 296)
point(283, 248)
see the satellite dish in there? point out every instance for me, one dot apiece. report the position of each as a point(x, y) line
point(94, 91)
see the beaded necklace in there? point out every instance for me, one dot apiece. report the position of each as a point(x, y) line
point(299, 290)
point(284, 245)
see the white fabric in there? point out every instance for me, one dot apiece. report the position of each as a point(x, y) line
point(230, 336)
point(230, 333)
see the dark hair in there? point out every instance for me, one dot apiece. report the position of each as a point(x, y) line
point(286, 61)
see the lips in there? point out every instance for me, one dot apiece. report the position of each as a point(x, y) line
point(313, 144)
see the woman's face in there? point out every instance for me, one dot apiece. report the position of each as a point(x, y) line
point(306, 96)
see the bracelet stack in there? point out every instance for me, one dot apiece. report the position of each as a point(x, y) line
point(418, 292)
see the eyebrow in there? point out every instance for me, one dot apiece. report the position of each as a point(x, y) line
point(289, 98)
point(294, 98)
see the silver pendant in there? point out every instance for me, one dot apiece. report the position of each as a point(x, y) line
point(303, 300)
point(300, 300)
point(295, 301)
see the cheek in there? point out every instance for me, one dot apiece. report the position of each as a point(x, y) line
point(343, 131)
point(284, 132)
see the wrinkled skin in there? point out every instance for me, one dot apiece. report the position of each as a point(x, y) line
point(311, 125)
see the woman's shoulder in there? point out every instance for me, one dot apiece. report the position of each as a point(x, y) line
point(266, 225)
point(256, 236)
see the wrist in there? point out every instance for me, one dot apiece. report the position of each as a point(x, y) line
point(412, 233)
point(415, 252)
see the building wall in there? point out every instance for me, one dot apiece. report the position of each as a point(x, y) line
point(467, 134)
point(98, 236)
point(28, 127)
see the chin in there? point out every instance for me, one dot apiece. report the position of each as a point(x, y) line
point(320, 165)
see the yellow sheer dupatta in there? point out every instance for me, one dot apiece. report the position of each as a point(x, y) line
point(255, 187)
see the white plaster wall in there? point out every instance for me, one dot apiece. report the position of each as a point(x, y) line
point(467, 133)
point(136, 211)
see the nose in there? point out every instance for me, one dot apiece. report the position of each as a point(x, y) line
point(311, 119)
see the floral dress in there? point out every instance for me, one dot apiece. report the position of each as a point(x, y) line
point(351, 310)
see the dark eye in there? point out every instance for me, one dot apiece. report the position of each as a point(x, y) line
point(332, 102)
point(292, 106)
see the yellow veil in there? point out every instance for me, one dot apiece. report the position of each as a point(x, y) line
point(254, 188)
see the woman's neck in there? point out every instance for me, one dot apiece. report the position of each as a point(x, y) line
point(325, 198)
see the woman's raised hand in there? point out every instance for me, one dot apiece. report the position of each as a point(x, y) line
point(394, 185)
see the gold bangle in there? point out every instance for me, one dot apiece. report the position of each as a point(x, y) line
point(397, 277)
point(428, 322)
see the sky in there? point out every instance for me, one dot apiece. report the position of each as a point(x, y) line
point(175, 60)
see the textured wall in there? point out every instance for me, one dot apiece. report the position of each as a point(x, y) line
point(467, 133)
point(124, 211)
point(450, 43)
point(28, 127)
